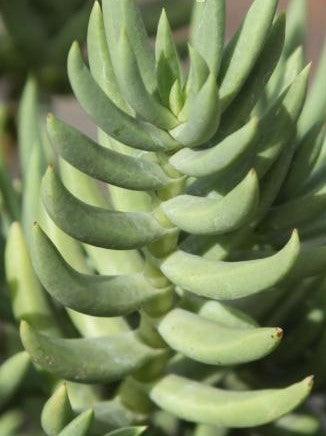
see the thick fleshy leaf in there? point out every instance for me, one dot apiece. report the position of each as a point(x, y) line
point(203, 116)
point(99, 58)
point(134, 90)
point(94, 225)
point(230, 280)
point(11, 422)
point(305, 163)
point(296, 25)
point(110, 296)
point(209, 430)
point(12, 372)
point(314, 111)
point(31, 189)
point(278, 126)
point(271, 184)
point(57, 412)
point(220, 313)
point(205, 216)
point(219, 158)
point(176, 98)
point(167, 59)
point(212, 343)
point(127, 431)
point(227, 316)
point(79, 426)
point(29, 122)
point(197, 76)
point(296, 212)
point(200, 403)
point(107, 115)
point(207, 26)
point(125, 14)
point(311, 261)
point(102, 163)
point(94, 360)
point(237, 113)
point(27, 296)
point(294, 65)
point(238, 63)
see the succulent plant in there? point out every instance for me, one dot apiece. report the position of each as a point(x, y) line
point(166, 266)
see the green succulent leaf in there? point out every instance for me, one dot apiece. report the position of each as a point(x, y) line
point(250, 40)
point(212, 343)
point(219, 158)
point(314, 111)
point(29, 122)
point(128, 431)
point(99, 58)
point(111, 295)
point(208, 24)
point(225, 315)
point(167, 59)
point(209, 430)
point(102, 163)
point(96, 226)
point(79, 426)
point(125, 14)
point(12, 372)
point(296, 26)
point(134, 91)
point(296, 212)
point(279, 123)
point(11, 422)
point(230, 280)
point(57, 412)
point(107, 115)
point(203, 114)
point(197, 402)
point(27, 296)
point(93, 360)
point(255, 86)
point(210, 216)
point(197, 76)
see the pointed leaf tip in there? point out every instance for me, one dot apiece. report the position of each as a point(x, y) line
point(230, 280)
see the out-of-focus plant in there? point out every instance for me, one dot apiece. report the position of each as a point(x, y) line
point(37, 35)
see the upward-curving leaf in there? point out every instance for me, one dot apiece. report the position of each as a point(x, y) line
point(110, 296)
point(94, 225)
point(208, 25)
point(134, 91)
point(203, 116)
point(210, 216)
point(102, 163)
point(230, 280)
point(93, 360)
point(220, 157)
point(212, 343)
point(107, 115)
point(200, 403)
point(246, 48)
point(79, 426)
